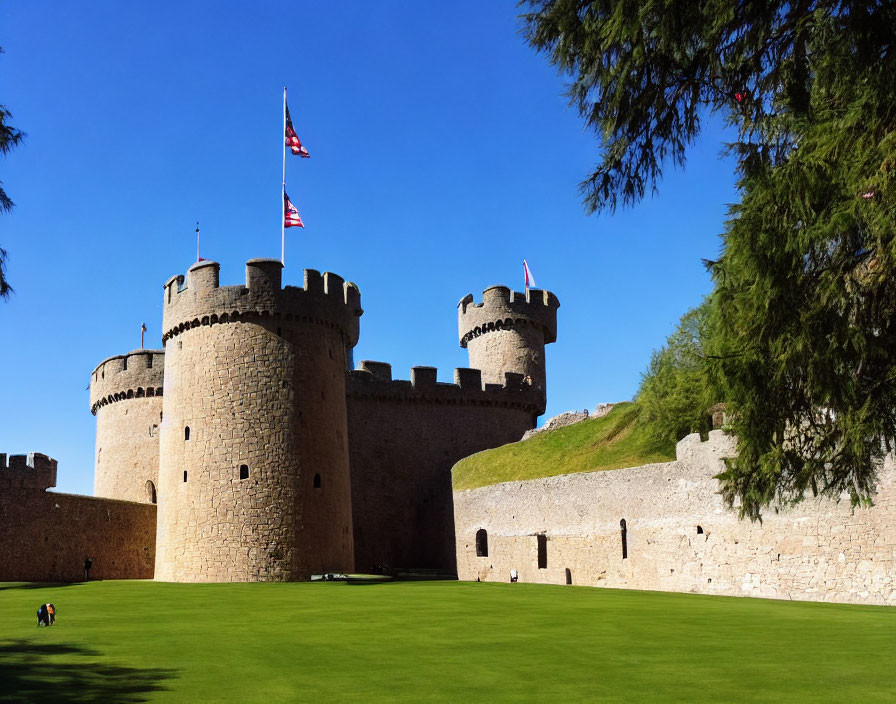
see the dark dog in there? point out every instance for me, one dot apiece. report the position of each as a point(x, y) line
point(43, 615)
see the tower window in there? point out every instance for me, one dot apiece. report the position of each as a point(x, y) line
point(699, 530)
point(150, 492)
point(482, 543)
point(244, 471)
point(186, 432)
point(316, 482)
point(185, 476)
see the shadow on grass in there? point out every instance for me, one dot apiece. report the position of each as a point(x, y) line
point(35, 585)
point(38, 672)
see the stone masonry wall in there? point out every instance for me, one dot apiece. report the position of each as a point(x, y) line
point(46, 536)
point(404, 437)
point(679, 536)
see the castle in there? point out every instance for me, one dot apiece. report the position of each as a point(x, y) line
point(248, 449)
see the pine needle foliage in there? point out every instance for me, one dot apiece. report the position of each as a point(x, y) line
point(804, 347)
point(805, 285)
point(9, 138)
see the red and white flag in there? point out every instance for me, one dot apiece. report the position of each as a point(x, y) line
point(530, 280)
point(291, 216)
point(292, 139)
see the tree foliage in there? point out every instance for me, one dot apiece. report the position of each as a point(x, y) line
point(805, 344)
point(9, 138)
point(675, 394)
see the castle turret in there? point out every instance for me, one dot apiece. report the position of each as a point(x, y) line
point(126, 398)
point(507, 332)
point(254, 471)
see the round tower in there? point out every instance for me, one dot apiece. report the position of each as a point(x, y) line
point(507, 332)
point(254, 470)
point(126, 398)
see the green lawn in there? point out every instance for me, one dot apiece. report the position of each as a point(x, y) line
point(617, 440)
point(434, 641)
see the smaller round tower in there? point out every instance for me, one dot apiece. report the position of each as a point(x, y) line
point(126, 398)
point(507, 332)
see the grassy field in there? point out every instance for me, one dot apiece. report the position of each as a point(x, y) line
point(434, 642)
point(614, 441)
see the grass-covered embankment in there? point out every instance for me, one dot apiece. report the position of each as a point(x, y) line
point(434, 642)
point(617, 440)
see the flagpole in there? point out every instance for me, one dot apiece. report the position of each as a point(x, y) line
point(197, 241)
point(283, 191)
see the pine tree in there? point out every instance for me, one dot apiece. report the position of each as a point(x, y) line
point(805, 294)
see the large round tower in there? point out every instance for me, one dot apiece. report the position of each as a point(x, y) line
point(254, 470)
point(126, 398)
point(507, 332)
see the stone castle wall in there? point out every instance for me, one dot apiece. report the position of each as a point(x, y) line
point(126, 398)
point(47, 536)
point(678, 534)
point(404, 437)
point(258, 489)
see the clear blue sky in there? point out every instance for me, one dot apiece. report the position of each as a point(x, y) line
point(443, 152)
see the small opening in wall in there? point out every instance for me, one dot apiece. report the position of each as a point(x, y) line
point(623, 530)
point(180, 344)
point(568, 576)
point(482, 543)
point(185, 476)
point(186, 432)
point(699, 530)
point(244, 471)
point(124, 364)
point(316, 481)
point(150, 492)
point(542, 551)
point(149, 361)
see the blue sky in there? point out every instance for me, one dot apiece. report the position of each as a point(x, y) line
point(443, 152)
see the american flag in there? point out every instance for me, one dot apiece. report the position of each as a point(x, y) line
point(292, 139)
point(291, 216)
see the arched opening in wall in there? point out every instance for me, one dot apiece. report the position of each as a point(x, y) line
point(124, 364)
point(542, 551)
point(482, 543)
point(186, 433)
point(244, 471)
point(624, 533)
point(568, 576)
point(150, 492)
point(185, 476)
point(699, 530)
point(316, 481)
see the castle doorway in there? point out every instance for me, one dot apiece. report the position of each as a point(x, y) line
point(150, 492)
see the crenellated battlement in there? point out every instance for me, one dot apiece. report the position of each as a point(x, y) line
point(137, 374)
point(374, 379)
point(32, 471)
point(503, 309)
point(199, 299)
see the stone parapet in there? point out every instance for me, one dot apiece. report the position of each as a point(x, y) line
point(503, 309)
point(137, 374)
point(374, 379)
point(32, 471)
point(198, 299)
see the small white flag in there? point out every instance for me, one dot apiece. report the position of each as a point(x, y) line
point(530, 280)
